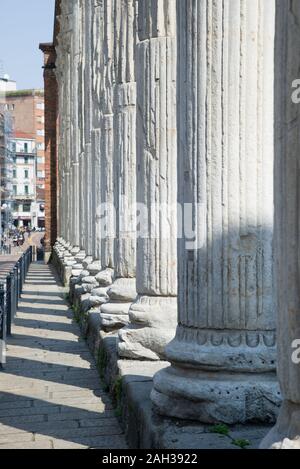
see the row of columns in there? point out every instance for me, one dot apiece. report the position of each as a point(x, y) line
point(166, 173)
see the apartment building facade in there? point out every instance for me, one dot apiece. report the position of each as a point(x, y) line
point(27, 110)
point(26, 210)
point(6, 163)
point(6, 155)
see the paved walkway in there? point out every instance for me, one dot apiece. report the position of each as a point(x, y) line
point(50, 396)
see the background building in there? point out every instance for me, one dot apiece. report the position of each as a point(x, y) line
point(26, 207)
point(27, 110)
point(5, 171)
point(6, 156)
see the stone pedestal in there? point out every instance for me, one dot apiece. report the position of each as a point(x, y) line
point(224, 354)
point(153, 315)
point(286, 433)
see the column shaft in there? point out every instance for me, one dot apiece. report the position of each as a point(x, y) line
point(153, 315)
point(223, 355)
point(286, 433)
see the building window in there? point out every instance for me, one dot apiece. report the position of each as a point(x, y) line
point(41, 146)
point(41, 160)
point(25, 147)
point(41, 174)
point(26, 173)
point(41, 133)
point(26, 190)
point(26, 207)
point(14, 173)
point(15, 190)
point(40, 106)
point(26, 159)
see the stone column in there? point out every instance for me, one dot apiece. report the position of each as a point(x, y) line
point(223, 357)
point(102, 142)
point(64, 153)
point(114, 314)
point(97, 154)
point(107, 222)
point(153, 314)
point(286, 433)
point(74, 127)
point(68, 70)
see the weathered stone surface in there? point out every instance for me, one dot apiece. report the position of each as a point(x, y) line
point(198, 394)
point(97, 300)
point(105, 277)
point(113, 321)
point(87, 261)
point(156, 181)
point(84, 273)
point(123, 289)
point(94, 268)
point(116, 308)
point(88, 287)
point(76, 272)
point(151, 320)
point(90, 280)
point(100, 292)
point(80, 256)
point(286, 433)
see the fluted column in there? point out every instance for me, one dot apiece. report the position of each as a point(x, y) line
point(286, 433)
point(114, 314)
point(74, 89)
point(86, 111)
point(153, 314)
point(102, 137)
point(63, 77)
point(107, 142)
point(224, 357)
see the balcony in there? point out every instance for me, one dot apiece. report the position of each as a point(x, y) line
point(23, 196)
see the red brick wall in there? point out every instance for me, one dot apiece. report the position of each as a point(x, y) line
point(50, 144)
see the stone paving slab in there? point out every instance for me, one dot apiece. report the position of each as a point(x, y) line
point(50, 392)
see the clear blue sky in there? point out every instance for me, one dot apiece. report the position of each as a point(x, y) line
point(23, 25)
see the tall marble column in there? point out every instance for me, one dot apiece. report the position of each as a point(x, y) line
point(223, 357)
point(286, 433)
point(114, 314)
point(153, 314)
point(102, 75)
point(67, 75)
point(98, 153)
point(63, 77)
point(74, 144)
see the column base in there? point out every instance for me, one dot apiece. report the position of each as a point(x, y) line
point(215, 397)
point(115, 313)
point(153, 321)
point(286, 433)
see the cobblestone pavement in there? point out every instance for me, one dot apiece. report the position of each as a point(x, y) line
point(50, 394)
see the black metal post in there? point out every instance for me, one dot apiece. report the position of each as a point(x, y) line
point(15, 292)
point(2, 324)
point(9, 302)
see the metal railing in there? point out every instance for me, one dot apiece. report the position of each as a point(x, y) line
point(10, 291)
